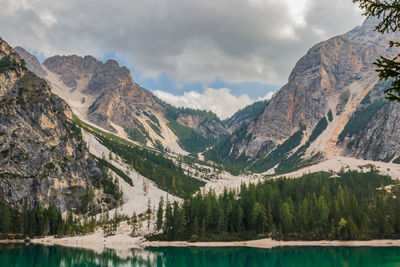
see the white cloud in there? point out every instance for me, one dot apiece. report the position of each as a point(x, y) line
point(220, 101)
point(190, 40)
point(298, 10)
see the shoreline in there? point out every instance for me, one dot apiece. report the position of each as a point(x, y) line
point(125, 242)
point(270, 243)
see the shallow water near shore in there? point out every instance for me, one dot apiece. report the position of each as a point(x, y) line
point(37, 255)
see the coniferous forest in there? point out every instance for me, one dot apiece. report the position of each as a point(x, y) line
point(352, 206)
point(40, 221)
point(314, 207)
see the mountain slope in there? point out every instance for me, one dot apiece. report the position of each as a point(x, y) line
point(315, 116)
point(373, 131)
point(120, 102)
point(302, 123)
point(106, 95)
point(42, 156)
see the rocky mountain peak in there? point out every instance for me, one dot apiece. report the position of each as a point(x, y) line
point(112, 63)
point(109, 76)
point(72, 68)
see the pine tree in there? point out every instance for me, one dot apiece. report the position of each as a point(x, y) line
point(134, 224)
point(168, 225)
point(286, 218)
point(160, 214)
point(40, 220)
point(173, 183)
point(323, 212)
point(148, 213)
point(5, 219)
point(259, 218)
point(178, 222)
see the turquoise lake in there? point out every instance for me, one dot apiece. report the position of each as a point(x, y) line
point(36, 255)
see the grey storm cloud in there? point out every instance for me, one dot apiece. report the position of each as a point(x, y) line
point(191, 40)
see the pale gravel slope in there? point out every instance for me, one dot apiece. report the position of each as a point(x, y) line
point(135, 197)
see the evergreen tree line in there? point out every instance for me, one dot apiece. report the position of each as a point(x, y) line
point(314, 207)
point(40, 221)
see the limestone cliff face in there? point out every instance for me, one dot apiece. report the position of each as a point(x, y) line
point(42, 156)
point(333, 77)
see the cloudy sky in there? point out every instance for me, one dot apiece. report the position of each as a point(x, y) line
point(213, 54)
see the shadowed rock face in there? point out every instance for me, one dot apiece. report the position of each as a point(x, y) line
point(32, 63)
point(315, 86)
point(42, 156)
point(381, 138)
point(378, 138)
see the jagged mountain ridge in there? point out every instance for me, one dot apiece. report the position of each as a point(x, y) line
point(43, 158)
point(302, 124)
point(105, 94)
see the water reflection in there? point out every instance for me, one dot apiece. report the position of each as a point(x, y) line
point(37, 255)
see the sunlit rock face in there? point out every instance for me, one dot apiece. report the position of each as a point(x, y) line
point(42, 156)
point(336, 76)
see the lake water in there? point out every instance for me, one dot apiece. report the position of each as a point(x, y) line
point(37, 256)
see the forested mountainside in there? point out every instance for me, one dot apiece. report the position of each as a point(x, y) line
point(317, 114)
point(43, 159)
